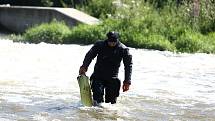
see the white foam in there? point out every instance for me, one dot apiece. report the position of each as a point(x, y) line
point(47, 72)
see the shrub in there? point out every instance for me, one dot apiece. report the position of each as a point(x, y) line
point(84, 34)
point(99, 8)
point(53, 32)
point(168, 26)
point(190, 42)
point(210, 43)
point(138, 40)
point(16, 38)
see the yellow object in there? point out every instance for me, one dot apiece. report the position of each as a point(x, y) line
point(85, 90)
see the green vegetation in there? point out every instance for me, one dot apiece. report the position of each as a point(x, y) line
point(53, 32)
point(153, 24)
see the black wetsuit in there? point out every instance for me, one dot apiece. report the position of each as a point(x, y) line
point(105, 75)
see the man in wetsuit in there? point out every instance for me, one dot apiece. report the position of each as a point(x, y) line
point(104, 80)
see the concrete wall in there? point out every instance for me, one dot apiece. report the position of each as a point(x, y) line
point(18, 19)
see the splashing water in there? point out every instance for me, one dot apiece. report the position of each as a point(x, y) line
point(38, 83)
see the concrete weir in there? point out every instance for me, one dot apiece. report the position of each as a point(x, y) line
point(19, 18)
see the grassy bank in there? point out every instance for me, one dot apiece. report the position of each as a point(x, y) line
point(141, 25)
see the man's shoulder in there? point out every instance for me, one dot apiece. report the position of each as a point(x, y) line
point(99, 43)
point(121, 45)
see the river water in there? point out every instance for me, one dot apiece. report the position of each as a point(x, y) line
point(38, 83)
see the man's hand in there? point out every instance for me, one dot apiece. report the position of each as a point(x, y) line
point(82, 70)
point(125, 87)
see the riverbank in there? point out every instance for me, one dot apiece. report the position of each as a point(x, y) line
point(59, 33)
point(4, 35)
point(172, 26)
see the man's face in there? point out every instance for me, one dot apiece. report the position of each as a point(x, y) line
point(112, 44)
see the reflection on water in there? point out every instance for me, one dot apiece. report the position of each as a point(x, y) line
point(38, 83)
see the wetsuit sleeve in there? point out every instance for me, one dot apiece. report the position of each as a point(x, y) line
point(91, 54)
point(127, 61)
